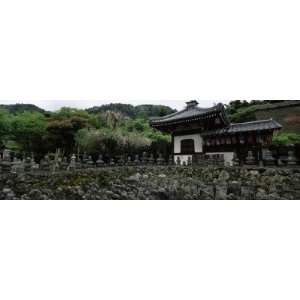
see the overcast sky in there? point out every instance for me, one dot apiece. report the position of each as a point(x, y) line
point(92, 52)
point(56, 104)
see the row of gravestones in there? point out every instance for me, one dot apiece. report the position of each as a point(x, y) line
point(48, 165)
point(268, 159)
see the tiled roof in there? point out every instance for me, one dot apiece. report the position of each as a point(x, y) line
point(190, 113)
point(245, 127)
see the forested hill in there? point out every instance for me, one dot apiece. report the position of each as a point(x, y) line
point(134, 111)
point(145, 111)
point(286, 112)
point(19, 108)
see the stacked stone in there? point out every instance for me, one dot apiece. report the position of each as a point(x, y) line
point(178, 161)
point(112, 162)
point(151, 159)
point(268, 158)
point(121, 161)
point(144, 158)
point(100, 162)
point(15, 165)
point(171, 160)
point(236, 161)
point(160, 160)
point(27, 165)
point(137, 160)
point(45, 164)
point(84, 161)
point(64, 164)
point(250, 159)
point(72, 165)
point(189, 162)
point(90, 163)
point(219, 160)
point(6, 163)
point(292, 160)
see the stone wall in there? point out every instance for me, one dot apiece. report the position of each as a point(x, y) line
point(154, 182)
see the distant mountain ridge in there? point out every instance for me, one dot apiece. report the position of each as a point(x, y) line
point(145, 110)
point(18, 108)
point(129, 110)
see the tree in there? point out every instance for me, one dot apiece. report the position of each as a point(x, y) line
point(28, 130)
point(62, 131)
point(5, 125)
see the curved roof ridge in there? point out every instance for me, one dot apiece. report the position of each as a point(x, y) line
point(168, 116)
point(188, 113)
point(253, 122)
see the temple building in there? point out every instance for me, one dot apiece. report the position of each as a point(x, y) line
point(207, 131)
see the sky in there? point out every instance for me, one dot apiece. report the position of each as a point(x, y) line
point(92, 52)
point(56, 104)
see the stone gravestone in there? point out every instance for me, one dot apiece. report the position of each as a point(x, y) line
point(151, 159)
point(90, 163)
point(178, 161)
point(236, 161)
point(160, 159)
point(45, 164)
point(72, 165)
point(189, 161)
point(171, 160)
point(15, 165)
point(144, 158)
point(121, 161)
point(292, 160)
point(84, 161)
point(268, 158)
point(112, 162)
point(27, 165)
point(129, 161)
point(136, 160)
point(100, 162)
point(64, 164)
point(6, 162)
point(221, 160)
point(250, 159)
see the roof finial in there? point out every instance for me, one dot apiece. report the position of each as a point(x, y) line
point(191, 104)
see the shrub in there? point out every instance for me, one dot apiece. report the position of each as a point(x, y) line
point(285, 139)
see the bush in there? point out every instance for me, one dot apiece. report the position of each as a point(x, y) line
point(285, 139)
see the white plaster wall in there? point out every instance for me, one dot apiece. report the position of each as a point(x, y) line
point(197, 140)
point(228, 157)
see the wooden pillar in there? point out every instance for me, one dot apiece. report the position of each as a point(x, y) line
point(260, 155)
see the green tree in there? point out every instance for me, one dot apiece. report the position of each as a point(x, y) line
point(28, 130)
point(61, 132)
point(5, 125)
point(286, 139)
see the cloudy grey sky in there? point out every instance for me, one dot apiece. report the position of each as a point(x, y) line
point(141, 52)
point(56, 104)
